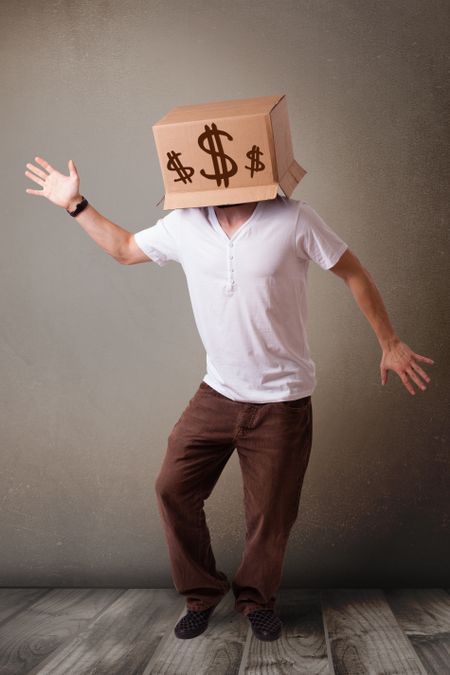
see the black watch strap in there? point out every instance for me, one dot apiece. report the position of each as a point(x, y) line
point(79, 207)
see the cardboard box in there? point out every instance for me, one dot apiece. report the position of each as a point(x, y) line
point(226, 152)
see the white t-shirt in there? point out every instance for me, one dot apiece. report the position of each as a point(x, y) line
point(249, 292)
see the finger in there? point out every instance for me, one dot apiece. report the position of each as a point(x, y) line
point(72, 168)
point(48, 167)
point(407, 383)
point(35, 192)
point(419, 370)
point(37, 180)
point(423, 358)
point(415, 378)
point(384, 375)
point(37, 171)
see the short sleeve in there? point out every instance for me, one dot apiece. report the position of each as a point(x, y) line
point(160, 241)
point(315, 239)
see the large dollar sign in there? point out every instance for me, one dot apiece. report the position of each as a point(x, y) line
point(174, 164)
point(223, 172)
point(256, 164)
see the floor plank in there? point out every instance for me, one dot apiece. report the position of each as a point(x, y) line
point(73, 631)
point(122, 639)
point(15, 600)
point(363, 635)
point(35, 632)
point(217, 651)
point(301, 647)
point(424, 616)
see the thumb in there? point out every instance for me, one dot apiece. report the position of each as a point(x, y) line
point(72, 168)
point(384, 375)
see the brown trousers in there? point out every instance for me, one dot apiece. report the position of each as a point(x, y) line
point(273, 441)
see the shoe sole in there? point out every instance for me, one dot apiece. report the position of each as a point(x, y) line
point(185, 636)
point(266, 638)
point(262, 636)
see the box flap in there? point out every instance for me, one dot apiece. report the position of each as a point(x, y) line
point(215, 197)
point(291, 177)
point(246, 106)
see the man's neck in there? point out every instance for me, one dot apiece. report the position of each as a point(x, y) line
point(235, 215)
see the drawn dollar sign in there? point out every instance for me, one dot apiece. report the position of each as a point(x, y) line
point(256, 164)
point(223, 172)
point(174, 164)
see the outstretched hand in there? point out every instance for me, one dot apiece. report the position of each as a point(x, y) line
point(59, 189)
point(402, 360)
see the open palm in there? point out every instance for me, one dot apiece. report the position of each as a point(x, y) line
point(58, 189)
point(402, 360)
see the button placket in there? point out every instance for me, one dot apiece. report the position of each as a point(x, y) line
point(231, 282)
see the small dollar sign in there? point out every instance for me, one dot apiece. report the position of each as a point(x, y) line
point(211, 136)
point(174, 164)
point(256, 164)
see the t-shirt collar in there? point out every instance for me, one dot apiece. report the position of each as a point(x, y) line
point(217, 226)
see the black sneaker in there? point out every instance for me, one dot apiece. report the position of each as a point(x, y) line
point(265, 624)
point(193, 623)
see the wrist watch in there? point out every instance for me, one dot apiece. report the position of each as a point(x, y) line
point(79, 207)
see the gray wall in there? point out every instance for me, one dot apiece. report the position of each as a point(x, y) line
point(99, 360)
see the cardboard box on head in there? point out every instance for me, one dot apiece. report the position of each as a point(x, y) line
point(226, 152)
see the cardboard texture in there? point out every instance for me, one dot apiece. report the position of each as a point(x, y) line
point(226, 152)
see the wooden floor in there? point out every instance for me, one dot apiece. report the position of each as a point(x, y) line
point(130, 631)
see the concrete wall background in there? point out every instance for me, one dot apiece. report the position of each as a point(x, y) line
point(99, 360)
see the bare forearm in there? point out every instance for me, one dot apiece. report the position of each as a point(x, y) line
point(371, 304)
point(110, 237)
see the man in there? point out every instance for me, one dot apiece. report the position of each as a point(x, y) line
point(246, 266)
